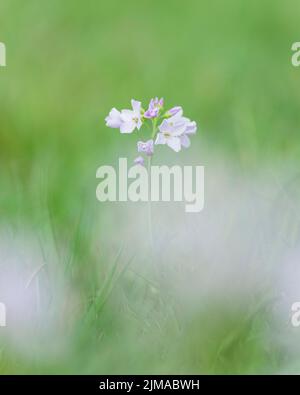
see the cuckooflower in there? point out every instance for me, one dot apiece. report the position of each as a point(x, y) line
point(126, 120)
point(131, 119)
point(169, 135)
point(174, 111)
point(154, 107)
point(146, 147)
point(139, 161)
point(175, 130)
point(191, 128)
point(113, 120)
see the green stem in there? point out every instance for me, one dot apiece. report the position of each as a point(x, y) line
point(150, 208)
point(154, 130)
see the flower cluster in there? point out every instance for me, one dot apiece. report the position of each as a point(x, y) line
point(174, 129)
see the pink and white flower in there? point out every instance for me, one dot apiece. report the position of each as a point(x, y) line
point(175, 132)
point(155, 106)
point(139, 161)
point(169, 135)
point(126, 120)
point(114, 120)
point(147, 147)
point(191, 128)
point(131, 119)
point(174, 111)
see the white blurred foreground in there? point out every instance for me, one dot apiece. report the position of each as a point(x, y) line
point(242, 250)
point(34, 294)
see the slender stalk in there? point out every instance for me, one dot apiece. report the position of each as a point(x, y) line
point(154, 130)
point(150, 208)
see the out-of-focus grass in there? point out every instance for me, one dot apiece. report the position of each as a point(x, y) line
point(228, 65)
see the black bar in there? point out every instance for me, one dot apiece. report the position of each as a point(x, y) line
point(133, 383)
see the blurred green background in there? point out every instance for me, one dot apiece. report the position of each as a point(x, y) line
point(68, 63)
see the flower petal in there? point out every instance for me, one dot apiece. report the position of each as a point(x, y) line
point(127, 127)
point(191, 128)
point(136, 105)
point(160, 139)
point(139, 161)
point(175, 110)
point(185, 141)
point(165, 126)
point(113, 120)
point(174, 143)
point(127, 115)
point(139, 124)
